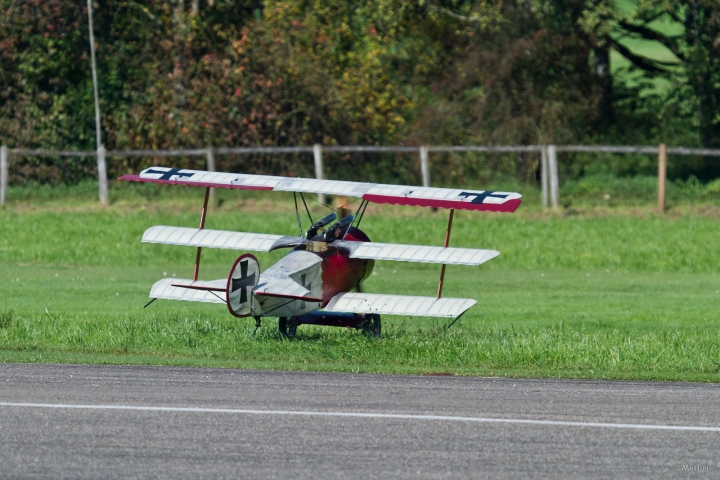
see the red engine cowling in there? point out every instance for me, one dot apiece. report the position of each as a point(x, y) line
point(340, 273)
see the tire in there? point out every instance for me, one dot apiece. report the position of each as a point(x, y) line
point(372, 325)
point(287, 329)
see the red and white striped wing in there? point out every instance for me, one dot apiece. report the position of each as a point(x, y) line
point(460, 199)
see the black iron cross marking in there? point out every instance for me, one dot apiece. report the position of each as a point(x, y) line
point(245, 281)
point(480, 197)
point(170, 173)
point(303, 277)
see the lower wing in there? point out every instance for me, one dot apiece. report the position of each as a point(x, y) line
point(399, 305)
point(215, 291)
point(212, 291)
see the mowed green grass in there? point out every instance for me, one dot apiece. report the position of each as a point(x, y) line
point(595, 296)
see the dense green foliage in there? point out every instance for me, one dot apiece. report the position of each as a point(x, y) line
point(603, 297)
point(192, 73)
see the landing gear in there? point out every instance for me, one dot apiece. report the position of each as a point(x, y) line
point(368, 323)
point(371, 325)
point(287, 328)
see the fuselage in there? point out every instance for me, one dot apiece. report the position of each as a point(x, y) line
point(324, 268)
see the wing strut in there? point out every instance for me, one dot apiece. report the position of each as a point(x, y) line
point(362, 202)
point(306, 209)
point(297, 214)
point(362, 214)
point(447, 241)
point(202, 225)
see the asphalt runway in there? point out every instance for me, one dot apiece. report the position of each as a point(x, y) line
point(71, 421)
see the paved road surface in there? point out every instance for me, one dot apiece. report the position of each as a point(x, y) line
point(210, 423)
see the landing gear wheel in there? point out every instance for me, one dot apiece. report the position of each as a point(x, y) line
point(372, 325)
point(287, 329)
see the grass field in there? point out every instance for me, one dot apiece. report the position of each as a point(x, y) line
point(598, 294)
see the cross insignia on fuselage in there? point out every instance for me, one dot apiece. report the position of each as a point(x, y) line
point(173, 172)
point(480, 197)
point(245, 281)
point(308, 285)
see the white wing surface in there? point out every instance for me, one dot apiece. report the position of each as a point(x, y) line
point(399, 305)
point(203, 291)
point(195, 237)
point(421, 254)
point(281, 287)
point(372, 192)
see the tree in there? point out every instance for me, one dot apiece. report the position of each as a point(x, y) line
point(697, 49)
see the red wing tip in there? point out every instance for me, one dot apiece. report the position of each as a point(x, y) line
point(508, 207)
point(129, 177)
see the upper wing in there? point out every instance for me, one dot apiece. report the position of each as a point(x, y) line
point(196, 237)
point(399, 305)
point(419, 253)
point(373, 192)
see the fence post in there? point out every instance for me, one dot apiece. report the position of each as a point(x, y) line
point(319, 170)
point(210, 157)
point(544, 175)
point(102, 175)
point(3, 174)
point(424, 165)
point(662, 176)
point(554, 181)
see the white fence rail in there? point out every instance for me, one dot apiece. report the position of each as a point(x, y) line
point(548, 164)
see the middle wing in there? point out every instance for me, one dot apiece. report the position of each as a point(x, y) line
point(419, 253)
point(196, 237)
point(263, 242)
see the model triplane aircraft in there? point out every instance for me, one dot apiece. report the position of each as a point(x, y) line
point(314, 282)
